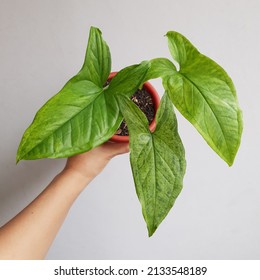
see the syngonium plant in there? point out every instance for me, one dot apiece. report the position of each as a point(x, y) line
point(85, 114)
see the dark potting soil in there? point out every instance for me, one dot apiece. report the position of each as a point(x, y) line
point(144, 101)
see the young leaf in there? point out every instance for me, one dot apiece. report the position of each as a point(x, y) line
point(128, 80)
point(160, 67)
point(204, 93)
point(157, 160)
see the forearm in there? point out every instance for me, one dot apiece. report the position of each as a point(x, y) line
point(30, 234)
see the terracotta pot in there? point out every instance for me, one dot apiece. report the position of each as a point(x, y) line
point(156, 101)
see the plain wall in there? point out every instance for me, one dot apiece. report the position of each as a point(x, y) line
point(42, 45)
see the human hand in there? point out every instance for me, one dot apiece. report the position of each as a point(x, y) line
point(91, 163)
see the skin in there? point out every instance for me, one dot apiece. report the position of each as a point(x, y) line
point(30, 233)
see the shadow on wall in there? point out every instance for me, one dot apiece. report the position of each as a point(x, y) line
point(21, 183)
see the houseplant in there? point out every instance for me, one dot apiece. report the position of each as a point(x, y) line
point(85, 114)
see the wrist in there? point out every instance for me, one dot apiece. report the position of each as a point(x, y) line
point(75, 176)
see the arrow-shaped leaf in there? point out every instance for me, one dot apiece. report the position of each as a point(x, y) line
point(83, 114)
point(204, 93)
point(157, 160)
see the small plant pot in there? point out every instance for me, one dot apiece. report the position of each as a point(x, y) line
point(156, 101)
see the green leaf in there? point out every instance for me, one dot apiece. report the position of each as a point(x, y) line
point(160, 67)
point(128, 80)
point(205, 95)
point(97, 64)
point(157, 160)
point(82, 115)
point(63, 126)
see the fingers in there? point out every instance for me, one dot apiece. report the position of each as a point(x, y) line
point(114, 149)
point(121, 148)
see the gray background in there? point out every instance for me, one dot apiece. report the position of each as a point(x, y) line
point(42, 45)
